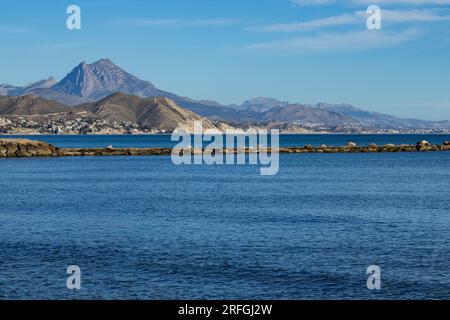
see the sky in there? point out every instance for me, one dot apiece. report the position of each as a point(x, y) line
point(305, 51)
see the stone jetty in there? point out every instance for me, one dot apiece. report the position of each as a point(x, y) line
point(32, 148)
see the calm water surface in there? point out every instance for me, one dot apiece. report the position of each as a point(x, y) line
point(143, 228)
point(294, 140)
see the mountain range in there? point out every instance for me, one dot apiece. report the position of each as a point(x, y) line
point(92, 87)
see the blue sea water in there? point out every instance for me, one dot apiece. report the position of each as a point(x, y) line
point(287, 140)
point(143, 228)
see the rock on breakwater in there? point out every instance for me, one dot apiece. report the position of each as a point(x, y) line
point(26, 148)
point(32, 148)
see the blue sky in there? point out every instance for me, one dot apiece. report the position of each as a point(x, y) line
point(304, 51)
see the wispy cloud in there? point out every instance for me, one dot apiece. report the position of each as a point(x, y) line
point(413, 15)
point(303, 3)
point(8, 29)
point(55, 47)
point(358, 17)
point(407, 2)
point(179, 23)
point(332, 42)
point(333, 21)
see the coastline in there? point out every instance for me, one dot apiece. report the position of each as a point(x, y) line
point(237, 133)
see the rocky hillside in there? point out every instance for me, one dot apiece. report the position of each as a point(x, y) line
point(29, 105)
point(25, 148)
point(157, 114)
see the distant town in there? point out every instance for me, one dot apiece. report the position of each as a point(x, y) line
point(18, 125)
point(22, 126)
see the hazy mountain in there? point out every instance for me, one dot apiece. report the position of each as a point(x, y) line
point(301, 114)
point(369, 119)
point(329, 115)
point(42, 84)
point(9, 90)
point(63, 98)
point(261, 104)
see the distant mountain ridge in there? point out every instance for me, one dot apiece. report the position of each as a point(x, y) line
point(370, 119)
point(9, 90)
point(88, 83)
point(261, 104)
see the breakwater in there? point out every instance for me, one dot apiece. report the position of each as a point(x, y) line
point(33, 148)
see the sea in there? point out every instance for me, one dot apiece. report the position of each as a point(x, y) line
point(144, 228)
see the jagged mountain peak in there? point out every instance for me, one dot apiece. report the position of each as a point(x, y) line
point(105, 65)
point(102, 78)
point(104, 61)
point(81, 66)
point(81, 81)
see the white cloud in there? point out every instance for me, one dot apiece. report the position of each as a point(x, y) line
point(178, 23)
point(413, 15)
point(358, 17)
point(331, 42)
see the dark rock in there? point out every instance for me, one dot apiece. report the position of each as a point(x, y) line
point(25, 148)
